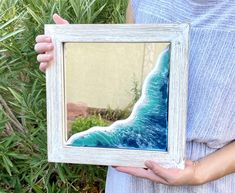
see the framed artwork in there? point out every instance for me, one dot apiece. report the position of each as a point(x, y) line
point(117, 94)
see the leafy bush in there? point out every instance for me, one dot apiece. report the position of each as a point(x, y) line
point(23, 147)
point(84, 123)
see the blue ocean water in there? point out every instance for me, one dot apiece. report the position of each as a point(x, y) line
point(147, 126)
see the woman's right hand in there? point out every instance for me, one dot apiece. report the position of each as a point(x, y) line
point(44, 45)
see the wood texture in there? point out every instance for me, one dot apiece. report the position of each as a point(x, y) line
point(177, 35)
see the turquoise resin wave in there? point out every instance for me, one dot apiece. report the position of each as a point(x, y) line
point(146, 128)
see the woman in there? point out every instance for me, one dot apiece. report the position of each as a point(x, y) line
point(211, 104)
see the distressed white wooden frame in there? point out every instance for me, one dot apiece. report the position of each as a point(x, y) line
point(177, 35)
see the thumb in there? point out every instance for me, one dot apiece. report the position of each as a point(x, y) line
point(59, 20)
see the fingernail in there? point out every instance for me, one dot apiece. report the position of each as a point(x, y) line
point(149, 164)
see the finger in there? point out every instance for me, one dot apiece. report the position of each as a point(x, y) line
point(43, 38)
point(44, 57)
point(43, 47)
point(143, 173)
point(158, 170)
point(59, 20)
point(154, 177)
point(139, 172)
point(43, 66)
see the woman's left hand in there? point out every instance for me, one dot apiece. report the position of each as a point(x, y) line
point(211, 167)
point(168, 176)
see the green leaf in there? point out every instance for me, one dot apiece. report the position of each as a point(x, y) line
point(10, 35)
point(76, 5)
point(10, 21)
point(97, 13)
point(7, 164)
point(60, 171)
point(17, 96)
point(37, 188)
point(35, 16)
point(17, 155)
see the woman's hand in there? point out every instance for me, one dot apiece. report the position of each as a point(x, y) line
point(168, 176)
point(44, 45)
point(212, 167)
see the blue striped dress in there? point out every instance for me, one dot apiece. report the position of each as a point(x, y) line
point(211, 104)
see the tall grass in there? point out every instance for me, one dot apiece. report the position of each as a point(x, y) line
point(23, 147)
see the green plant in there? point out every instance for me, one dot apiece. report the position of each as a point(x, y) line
point(112, 115)
point(84, 123)
point(135, 91)
point(23, 147)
